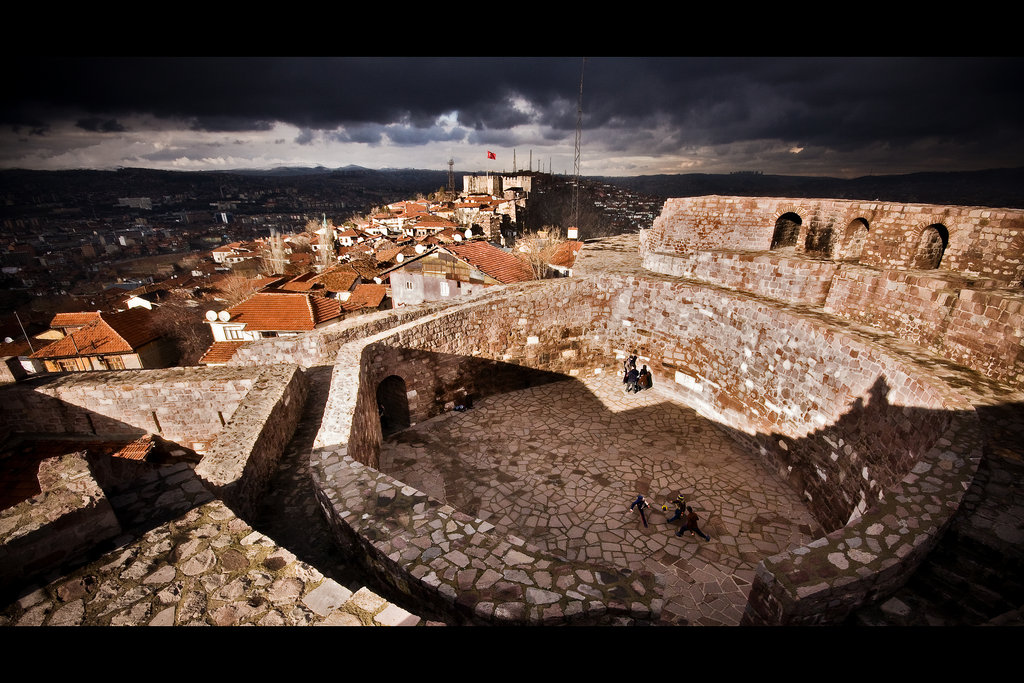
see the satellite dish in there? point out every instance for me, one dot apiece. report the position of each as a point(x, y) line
point(420, 248)
point(7, 340)
point(211, 315)
point(400, 258)
point(469, 233)
point(378, 280)
point(224, 316)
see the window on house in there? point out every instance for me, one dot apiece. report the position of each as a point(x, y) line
point(408, 284)
point(444, 289)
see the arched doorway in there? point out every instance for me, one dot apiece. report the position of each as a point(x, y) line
point(930, 247)
point(855, 237)
point(392, 405)
point(787, 231)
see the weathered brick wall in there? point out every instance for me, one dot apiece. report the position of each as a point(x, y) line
point(939, 309)
point(187, 405)
point(986, 332)
point(792, 387)
point(982, 242)
point(912, 305)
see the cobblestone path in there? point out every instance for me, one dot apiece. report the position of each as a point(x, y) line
point(559, 465)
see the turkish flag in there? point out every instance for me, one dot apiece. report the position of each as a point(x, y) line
point(490, 155)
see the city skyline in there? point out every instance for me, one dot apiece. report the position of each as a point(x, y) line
point(831, 116)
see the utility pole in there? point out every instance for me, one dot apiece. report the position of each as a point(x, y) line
point(576, 166)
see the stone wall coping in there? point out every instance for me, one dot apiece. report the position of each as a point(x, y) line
point(827, 579)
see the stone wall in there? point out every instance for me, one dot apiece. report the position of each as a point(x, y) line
point(69, 516)
point(982, 242)
point(245, 456)
point(189, 406)
point(841, 418)
point(967, 310)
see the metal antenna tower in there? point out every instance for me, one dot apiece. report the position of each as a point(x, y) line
point(576, 164)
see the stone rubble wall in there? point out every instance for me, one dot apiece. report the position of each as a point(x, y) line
point(873, 556)
point(245, 456)
point(837, 416)
point(68, 517)
point(788, 383)
point(773, 275)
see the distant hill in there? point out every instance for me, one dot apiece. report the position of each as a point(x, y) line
point(995, 187)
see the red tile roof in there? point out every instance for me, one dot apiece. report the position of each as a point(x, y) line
point(339, 279)
point(74, 319)
point(565, 254)
point(123, 332)
point(365, 296)
point(220, 352)
point(499, 264)
point(276, 311)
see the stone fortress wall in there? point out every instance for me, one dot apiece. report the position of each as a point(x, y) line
point(944, 277)
point(761, 371)
point(786, 321)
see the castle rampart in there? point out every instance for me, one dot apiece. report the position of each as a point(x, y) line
point(794, 387)
point(956, 293)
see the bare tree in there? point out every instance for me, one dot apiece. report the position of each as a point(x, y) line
point(234, 288)
point(537, 248)
point(184, 325)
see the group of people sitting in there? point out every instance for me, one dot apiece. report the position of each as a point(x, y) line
point(635, 380)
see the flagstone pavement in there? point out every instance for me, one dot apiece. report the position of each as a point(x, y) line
point(559, 465)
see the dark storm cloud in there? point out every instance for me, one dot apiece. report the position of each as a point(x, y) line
point(99, 125)
point(652, 105)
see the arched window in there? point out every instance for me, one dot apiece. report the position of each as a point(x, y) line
point(392, 405)
point(787, 231)
point(930, 247)
point(854, 238)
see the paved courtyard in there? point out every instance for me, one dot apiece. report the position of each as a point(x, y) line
point(560, 464)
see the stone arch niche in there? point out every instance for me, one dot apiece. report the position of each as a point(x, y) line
point(818, 241)
point(931, 245)
point(787, 231)
point(854, 237)
point(392, 405)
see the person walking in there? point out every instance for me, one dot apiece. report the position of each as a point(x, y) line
point(691, 525)
point(642, 504)
point(680, 504)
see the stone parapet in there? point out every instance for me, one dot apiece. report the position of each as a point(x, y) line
point(247, 450)
point(874, 555)
point(189, 406)
point(462, 565)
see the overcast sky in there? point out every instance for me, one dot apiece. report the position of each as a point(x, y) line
point(842, 117)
